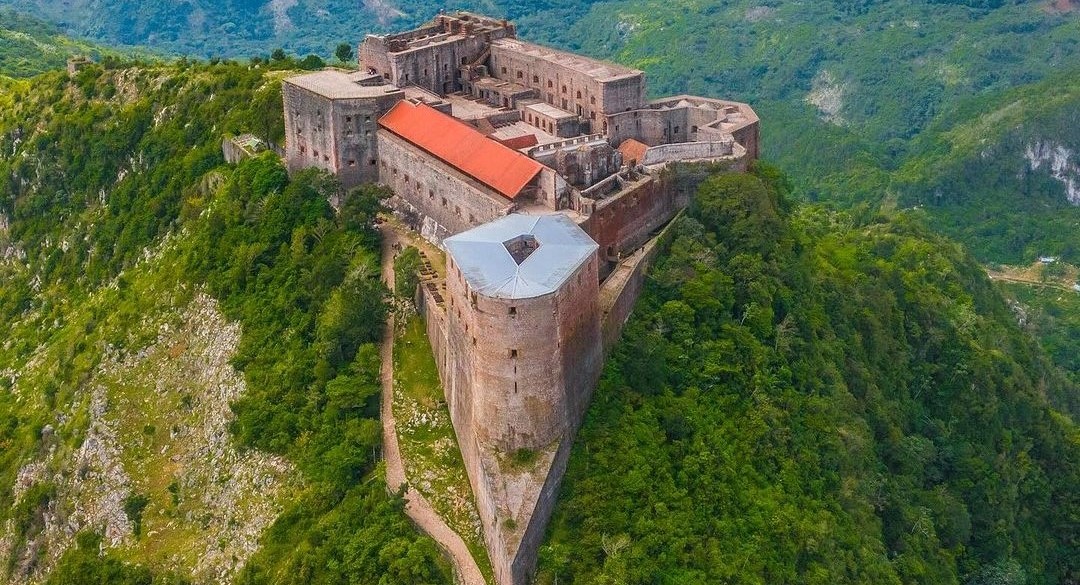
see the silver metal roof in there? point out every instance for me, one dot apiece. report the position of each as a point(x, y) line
point(487, 265)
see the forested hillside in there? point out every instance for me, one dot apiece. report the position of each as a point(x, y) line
point(826, 392)
point(189, 375)
point(804, 398)
point(29, 46)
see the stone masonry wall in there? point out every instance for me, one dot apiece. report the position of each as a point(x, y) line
point(434, 189)
point(565, 88)
point(624, 221)
point(338, 136)
point(307, 129)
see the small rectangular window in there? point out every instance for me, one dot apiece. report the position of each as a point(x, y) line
point(513, 353)
point(352, 163)
point(513, 310)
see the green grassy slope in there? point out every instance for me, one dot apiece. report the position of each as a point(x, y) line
point(186, 372)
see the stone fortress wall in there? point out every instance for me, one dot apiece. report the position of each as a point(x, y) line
point(331, 121)
point(556, 134)
point(431, 56)
point(428, 189)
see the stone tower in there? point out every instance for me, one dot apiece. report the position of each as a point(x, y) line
point(521, 356)
point(331, 119)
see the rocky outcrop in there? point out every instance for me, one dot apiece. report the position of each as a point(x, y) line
point(1060, 162)
point(157, 427)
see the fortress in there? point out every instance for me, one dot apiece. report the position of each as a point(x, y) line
point(545, 177)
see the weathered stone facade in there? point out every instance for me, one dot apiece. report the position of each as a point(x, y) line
point(331, 120)
point(518, 366)
point(448, 200)
point(431, 56)
point(586, 88)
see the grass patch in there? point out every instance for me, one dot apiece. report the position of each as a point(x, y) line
point(429, 449)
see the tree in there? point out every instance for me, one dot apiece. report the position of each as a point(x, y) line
point(278, 54)
point(344, 52)
point(312, 62)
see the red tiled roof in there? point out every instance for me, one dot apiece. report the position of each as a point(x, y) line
point(632, 150)
point(462, 147)
point(519, 142)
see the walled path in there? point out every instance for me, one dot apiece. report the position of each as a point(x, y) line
point(418, 508)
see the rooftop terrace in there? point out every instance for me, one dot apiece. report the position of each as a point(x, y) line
point(599, 70)
point(335, 84)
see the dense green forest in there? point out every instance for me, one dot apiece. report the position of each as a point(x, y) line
point(99, 236)
point(800, 397)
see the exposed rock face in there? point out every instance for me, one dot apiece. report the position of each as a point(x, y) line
point(158, 427)
point(827, 95)
point(1060, 162)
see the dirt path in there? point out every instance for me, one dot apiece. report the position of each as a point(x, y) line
point(1027, 281)
point(421, 512)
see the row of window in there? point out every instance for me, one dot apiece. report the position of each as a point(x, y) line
point(550, 84)
point(417, 189)
point(314, 154)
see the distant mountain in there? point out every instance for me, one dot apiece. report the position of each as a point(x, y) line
point(1002, 173)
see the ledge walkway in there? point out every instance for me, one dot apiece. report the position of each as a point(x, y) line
point(419, 510)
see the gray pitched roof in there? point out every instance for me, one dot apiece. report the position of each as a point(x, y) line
point(488, 266)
